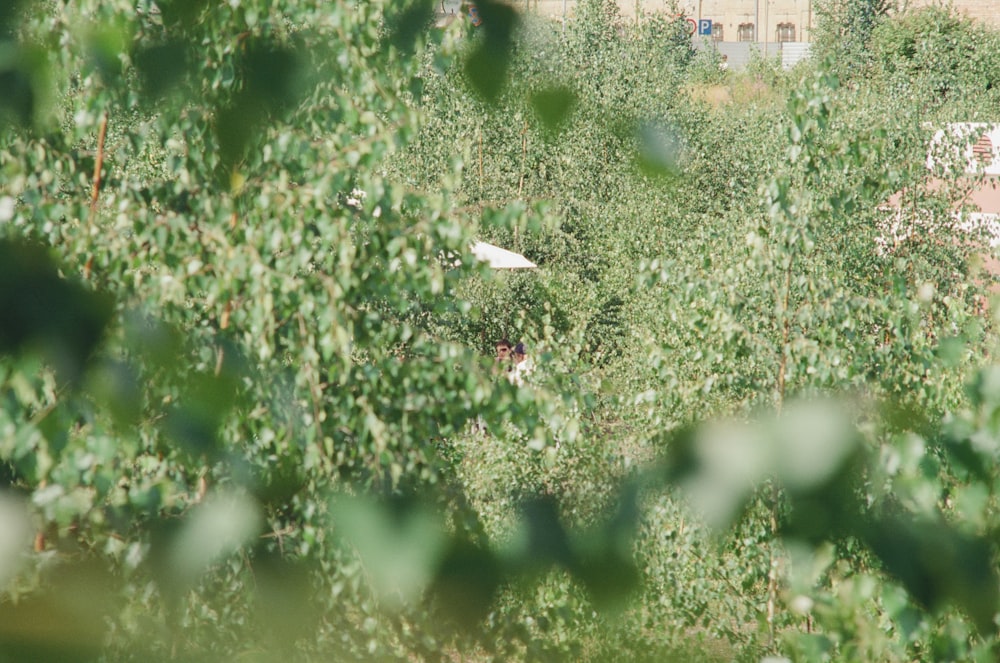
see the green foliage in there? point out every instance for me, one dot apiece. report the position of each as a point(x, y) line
point(706, 67)
point(844, 30)
point(244, 404)
point(946, 59)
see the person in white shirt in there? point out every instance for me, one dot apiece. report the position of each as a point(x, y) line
point(522, 365)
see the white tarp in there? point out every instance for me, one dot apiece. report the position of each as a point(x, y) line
point(498, 258)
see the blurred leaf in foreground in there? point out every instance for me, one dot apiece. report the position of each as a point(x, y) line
point(399, 543)
point(161, 67)
point(65, 623)
point(939, 565)
point(814, 455)
point(182, 550)
point(487, 66)
point(554, 105)
point(406, 21)
point(15, 536)
point(45, 312)
point(659, 150)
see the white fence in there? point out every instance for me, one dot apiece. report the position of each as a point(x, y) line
point(739, 53)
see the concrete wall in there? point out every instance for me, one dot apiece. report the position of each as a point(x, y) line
point(738, 54)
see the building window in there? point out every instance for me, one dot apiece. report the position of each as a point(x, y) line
point(716, 31)
point(744, 32)
point(785, 32)
point(982, 151)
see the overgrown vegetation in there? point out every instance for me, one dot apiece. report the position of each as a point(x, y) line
point(248, 404)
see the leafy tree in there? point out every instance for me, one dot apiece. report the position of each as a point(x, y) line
point(244, 407)
point(844, 29)
point(943, 58)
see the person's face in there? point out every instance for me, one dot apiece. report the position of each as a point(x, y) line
point(503, 353)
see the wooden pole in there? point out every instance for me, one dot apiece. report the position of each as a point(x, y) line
point(99, 162)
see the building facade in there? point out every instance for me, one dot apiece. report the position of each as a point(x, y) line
point(761, 21)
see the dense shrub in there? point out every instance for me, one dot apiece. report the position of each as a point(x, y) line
point(248, 406)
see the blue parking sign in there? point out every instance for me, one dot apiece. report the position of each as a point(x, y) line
point(705, 27)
